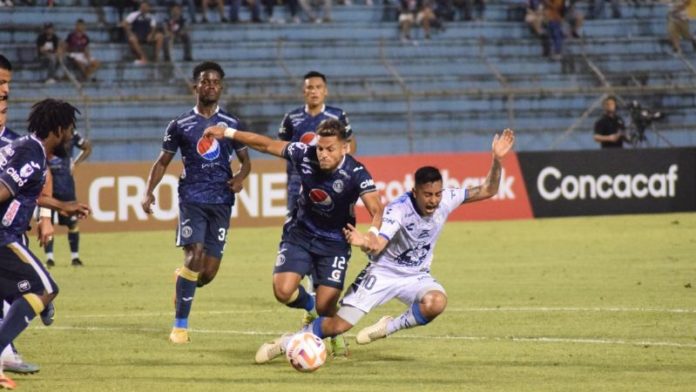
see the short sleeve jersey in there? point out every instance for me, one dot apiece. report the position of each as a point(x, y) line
point(327, 200)
point(206, 161)
point(411, 236)
point(23, 172)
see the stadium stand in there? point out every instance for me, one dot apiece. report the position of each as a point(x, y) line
point(445, 94)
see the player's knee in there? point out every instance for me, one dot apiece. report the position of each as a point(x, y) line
point(434, 304)
point(283, 294)
point(326, 309)
point(335, 326)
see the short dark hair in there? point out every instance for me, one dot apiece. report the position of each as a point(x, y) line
point(332, 127)
point(314, 74)
point(427, 174)
point(610, 98)
point(5, 63)
point(208, 66)
point(49, 115)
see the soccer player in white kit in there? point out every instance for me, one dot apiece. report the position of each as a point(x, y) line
point(400, 264)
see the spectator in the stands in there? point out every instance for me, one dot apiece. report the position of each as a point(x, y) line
point(141, 28)
point(596, 9)
point(254, 8)
point(415, 11)
point(293, 8)
point(176, 30)
point(313, 7)
point(49, 52)
point(574, 17)
point(77, 51)
point(219, 4)
point(6, 3)
point(465, 7)
point(678, 25)
point(535, 19)
point(553, 10)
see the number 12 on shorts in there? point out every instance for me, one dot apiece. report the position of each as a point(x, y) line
point(339, 264)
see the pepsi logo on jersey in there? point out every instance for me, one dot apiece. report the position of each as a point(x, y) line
point(309, 138)
point(208, 148)
point(319, 196)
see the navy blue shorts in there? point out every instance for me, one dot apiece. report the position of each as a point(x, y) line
point(306, 254)
point(205, 224)
point(21, 272)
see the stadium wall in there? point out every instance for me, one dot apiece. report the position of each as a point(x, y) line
point(533, 184)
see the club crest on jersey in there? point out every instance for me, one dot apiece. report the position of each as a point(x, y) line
point(321, 197)
point(338, 186)
point(208, 148)
point(309, 138)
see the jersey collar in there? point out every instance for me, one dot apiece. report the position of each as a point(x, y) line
point(323, 109)
point(195, 110)
point(415, 204)
point(36, 139)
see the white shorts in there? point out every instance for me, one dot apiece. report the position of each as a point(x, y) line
point(377, 285)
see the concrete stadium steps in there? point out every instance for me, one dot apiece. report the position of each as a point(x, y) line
point(66, 14)
point(654, 25)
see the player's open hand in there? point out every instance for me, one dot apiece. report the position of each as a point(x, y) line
point(216, 131)
point(147, 203)
point(502, 144)
point(353, 236)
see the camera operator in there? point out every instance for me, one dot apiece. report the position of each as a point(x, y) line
point(609, 130)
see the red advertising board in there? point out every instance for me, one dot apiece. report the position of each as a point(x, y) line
point(114, 190)
point(394, 174)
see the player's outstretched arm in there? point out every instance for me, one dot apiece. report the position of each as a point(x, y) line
point(502, 145)
point(253, 140)
point(156, 173)
point(67, 208)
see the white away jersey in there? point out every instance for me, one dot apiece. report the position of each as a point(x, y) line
point(412, 237)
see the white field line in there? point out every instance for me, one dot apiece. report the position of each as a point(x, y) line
point(502, 309)
point(159, 314)
point(534, 309)
point(538, 339)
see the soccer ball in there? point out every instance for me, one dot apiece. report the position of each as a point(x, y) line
point(306, 352)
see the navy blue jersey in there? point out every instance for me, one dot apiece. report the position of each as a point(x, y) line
point(7, 136)
point(327, 200)
point(206, 164)
point(23, 172)
point(61, 170)
point(300, 126)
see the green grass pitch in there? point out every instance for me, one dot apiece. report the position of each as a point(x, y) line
point(575, 304)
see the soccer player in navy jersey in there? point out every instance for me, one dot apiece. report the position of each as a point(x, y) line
point(24, 280)
point(300, 125)
point(207, 189)
point(61, 167)
point(313, 242)
point(9, 356)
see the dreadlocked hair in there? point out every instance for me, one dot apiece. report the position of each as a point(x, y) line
point(50, 115)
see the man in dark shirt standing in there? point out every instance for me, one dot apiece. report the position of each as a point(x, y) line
point(609, 130)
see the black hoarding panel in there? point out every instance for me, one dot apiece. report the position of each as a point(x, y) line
point(567, 183)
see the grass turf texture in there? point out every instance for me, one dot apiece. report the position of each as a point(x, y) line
point(575, 304)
